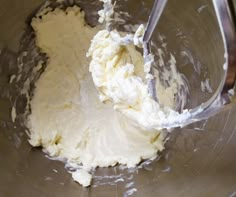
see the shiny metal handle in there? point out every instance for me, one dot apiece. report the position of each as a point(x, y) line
point(155, 15)
point(226, 18)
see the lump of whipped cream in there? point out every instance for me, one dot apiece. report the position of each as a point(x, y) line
point(91, 105)
point(113, 72)
point(68, 119)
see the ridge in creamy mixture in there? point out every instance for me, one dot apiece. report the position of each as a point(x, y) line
point(70, 120)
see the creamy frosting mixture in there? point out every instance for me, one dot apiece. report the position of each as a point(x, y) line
point(113, 72)
point(91, 104)
point(68, 120)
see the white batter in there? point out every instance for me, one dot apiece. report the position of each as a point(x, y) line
point(114, 75)
point(68, 120)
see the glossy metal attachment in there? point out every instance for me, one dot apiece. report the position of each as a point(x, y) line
point(225, 16)
point(154, 17)
point(226, 19)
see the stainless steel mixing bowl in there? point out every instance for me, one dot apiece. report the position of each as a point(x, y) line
point(199, 160)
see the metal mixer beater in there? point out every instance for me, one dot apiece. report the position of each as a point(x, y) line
point(225, 93)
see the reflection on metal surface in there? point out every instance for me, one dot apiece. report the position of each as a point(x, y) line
point(199, 159)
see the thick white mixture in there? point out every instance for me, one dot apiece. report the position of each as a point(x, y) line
point(91, 104)
point(114, 75)
point(68, 120)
